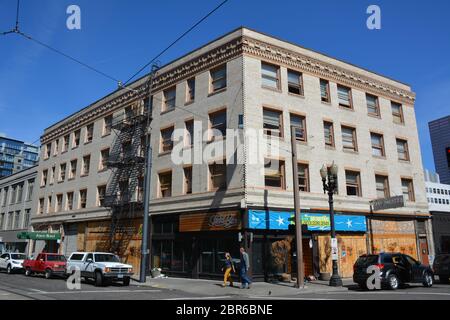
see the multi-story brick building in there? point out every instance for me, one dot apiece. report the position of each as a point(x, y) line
point(16, 201)
point(247, 82)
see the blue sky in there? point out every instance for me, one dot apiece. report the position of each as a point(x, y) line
point(39, 87)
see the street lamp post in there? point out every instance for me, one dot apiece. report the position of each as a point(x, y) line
point(330, 187)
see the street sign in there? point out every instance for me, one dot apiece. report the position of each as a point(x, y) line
point(387, 203)
point(38, 235)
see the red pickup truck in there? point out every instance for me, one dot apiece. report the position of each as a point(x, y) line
point(49, 264)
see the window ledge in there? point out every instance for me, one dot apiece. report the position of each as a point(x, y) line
point(102, 170)
point(269, 137)
point(272, 89)
point(217, 92)
point(379, 157)
point(84, 175)
point(296, 95)
point(346, 108)
point(87, 142)
point(187, 103)
point(376, 116)
point(106, 134)
point(70, 179)
point(302, 142)
point(350, 151)
point(404, 161)
point(328, 103)
point(167, 111)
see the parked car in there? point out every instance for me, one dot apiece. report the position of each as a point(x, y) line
point(396, 269)
point(12, 262)
point(100, 266)
point(441, 267)
point(49, 264)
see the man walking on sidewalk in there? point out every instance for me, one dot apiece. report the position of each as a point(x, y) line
point(245, 265)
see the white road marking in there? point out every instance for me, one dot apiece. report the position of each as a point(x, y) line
point(37, 290)
point(92, 291)
point(200, 298)
point(288, 298)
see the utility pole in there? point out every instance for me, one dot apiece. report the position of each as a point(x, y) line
point(298, 220)
point(145, 251)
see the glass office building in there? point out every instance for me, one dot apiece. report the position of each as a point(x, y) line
point(16, 155)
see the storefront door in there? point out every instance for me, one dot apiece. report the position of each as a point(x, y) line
point(423, 245)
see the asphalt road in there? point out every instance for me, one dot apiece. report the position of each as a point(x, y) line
point(19, 287)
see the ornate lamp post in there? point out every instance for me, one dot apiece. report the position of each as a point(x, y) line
point(330, 187)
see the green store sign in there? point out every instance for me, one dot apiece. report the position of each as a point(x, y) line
point(39, 236)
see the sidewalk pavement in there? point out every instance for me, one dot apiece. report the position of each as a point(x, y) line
point(211, 288)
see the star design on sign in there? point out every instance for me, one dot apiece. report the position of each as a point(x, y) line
point(280, 221)
point(349, 223)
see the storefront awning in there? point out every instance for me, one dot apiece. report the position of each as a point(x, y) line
point(39, 235)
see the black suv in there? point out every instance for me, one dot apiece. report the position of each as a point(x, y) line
point(441, 267)
point(396, 269)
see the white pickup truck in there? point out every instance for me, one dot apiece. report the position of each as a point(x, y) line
point(100, 266)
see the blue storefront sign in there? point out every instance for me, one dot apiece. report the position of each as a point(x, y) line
point(280, 220)
point(350, 223)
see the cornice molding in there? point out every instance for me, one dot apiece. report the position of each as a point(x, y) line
point(242, 45)
point(324, 70)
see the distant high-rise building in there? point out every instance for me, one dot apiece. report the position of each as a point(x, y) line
point(440, 141)
point(16, 155)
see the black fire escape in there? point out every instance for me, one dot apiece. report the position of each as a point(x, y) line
point(124, 194)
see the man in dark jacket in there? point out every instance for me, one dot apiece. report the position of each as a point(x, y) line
point(245, 265)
